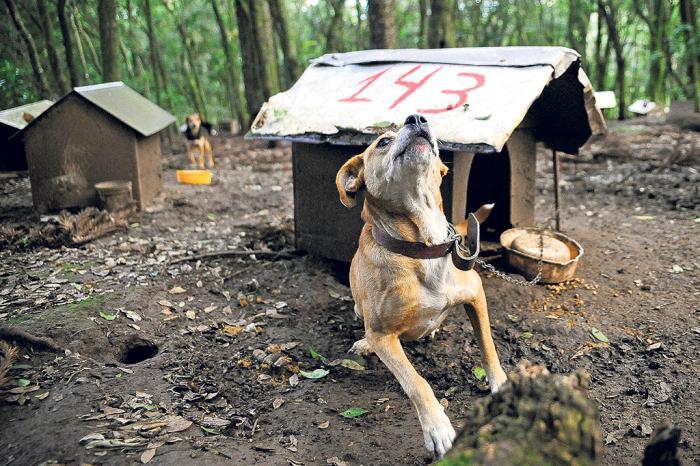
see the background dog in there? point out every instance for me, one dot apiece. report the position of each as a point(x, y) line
point(194, 130)
point(401, 297)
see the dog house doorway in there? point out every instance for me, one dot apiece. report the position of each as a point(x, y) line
point(489, 183)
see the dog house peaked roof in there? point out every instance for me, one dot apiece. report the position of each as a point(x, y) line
point(124, 104)
point(474, 98)
point(14, 117)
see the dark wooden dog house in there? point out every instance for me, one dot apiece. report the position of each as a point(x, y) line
point(12, 157)
point(488, 107)
point(94, 133)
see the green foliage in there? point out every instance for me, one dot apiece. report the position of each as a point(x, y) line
point(476, 24)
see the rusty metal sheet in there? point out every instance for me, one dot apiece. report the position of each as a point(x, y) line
point(127, 106)
point(472, 106)
point(14, 116)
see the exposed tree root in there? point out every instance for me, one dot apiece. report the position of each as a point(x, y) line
point(20, 337)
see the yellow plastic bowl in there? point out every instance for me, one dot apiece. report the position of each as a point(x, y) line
point(194, 176)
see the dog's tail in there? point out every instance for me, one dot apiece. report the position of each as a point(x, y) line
point(481, 214)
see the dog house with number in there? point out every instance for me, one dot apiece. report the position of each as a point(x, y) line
point(13, 120)
point(94, 133)
point(487, 106)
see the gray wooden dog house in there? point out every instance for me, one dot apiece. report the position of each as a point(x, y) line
point(488, 107)
point(94, 133)
point(12, 120)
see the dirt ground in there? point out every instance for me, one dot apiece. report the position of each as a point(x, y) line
point(224, 339)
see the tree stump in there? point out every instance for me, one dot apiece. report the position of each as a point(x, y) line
point(536, 419)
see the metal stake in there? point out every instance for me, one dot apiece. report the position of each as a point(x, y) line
point(555, 161)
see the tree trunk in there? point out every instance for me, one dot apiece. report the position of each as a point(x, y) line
point(608, 11)
point(109, 39)
point(654, 19)
point(280, 22)
point(68, 44)
point(47, 29)
point(442, 26)
point(235, 97)
point(537, 418)
point(41, 83)
point(359, 10)
point(96, 62)
point(382, 31)
point(154, 51)
point(423, 6)
point(688, 10)
point(333, 33)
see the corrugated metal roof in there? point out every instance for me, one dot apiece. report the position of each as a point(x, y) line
point(474, 98)
point(14, 116)
point(127, 106)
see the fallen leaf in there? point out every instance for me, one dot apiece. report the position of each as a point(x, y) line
point(191, 315)
point(353, 412)
point(316, 355)
point(676, 269)
point(42, 395)
point(132, 315)
point(277, 403)
point(353, 365)
point(107, 316)
point(166, 303)
point(91, 437)
point(177, 424)
point(314, 374)
point(294, 380)
point(23, 382)
point(177, 290)
point(233, 330)
point(479, 373)
point(644, 217)
point(654, 346)
point(324, 425)
point(598, 335)
point(526, 335)
point(209, 430)
point(335, 461)
point(148, 455)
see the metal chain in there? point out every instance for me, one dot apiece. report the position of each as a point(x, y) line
point(486, 266)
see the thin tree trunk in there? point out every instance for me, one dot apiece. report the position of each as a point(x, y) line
point(39, 77)
point(382, 30)
point(68, 44)
point(358, 31)
point(689, 18)
point(154, 50)
point(47, 29)
point(109, 39)
point(280, 21)
point(442, 27)
point(610, 19)
point(254, 94)
point(96, 62)
point(234, 95)
point(654, 20)
point(423, 6)
point(333, 33)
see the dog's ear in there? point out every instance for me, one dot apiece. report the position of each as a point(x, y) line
point(443, 169)
point(350, 179)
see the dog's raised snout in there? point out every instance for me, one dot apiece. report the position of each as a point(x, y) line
point(415, 119)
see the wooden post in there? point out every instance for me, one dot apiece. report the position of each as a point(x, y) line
point(555, 162)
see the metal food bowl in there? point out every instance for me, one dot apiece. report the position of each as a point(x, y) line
point(194, 176)
point(528, 265)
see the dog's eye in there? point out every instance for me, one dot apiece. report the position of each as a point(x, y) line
point(384, 142)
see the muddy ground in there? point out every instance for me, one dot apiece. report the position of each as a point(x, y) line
point(224, 338)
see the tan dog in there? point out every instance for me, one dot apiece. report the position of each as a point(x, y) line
point(198, 141)
point(401, 297)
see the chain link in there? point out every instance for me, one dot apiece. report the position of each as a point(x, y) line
point(486, 266)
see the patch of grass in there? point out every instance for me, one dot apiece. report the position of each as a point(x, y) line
point(90, 303)
point(19, 319)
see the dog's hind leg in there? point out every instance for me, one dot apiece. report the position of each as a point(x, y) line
point(210, 154)
point(201, 155)
point(479, 317)
point(438, 432)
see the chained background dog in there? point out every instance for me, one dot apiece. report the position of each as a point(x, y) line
point(196, 131)
point(401, 297)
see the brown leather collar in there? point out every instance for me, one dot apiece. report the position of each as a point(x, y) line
point(412, 249)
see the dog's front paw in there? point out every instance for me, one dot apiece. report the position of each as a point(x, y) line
point(361, 347)
point(438, 434)
point(497, 381)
